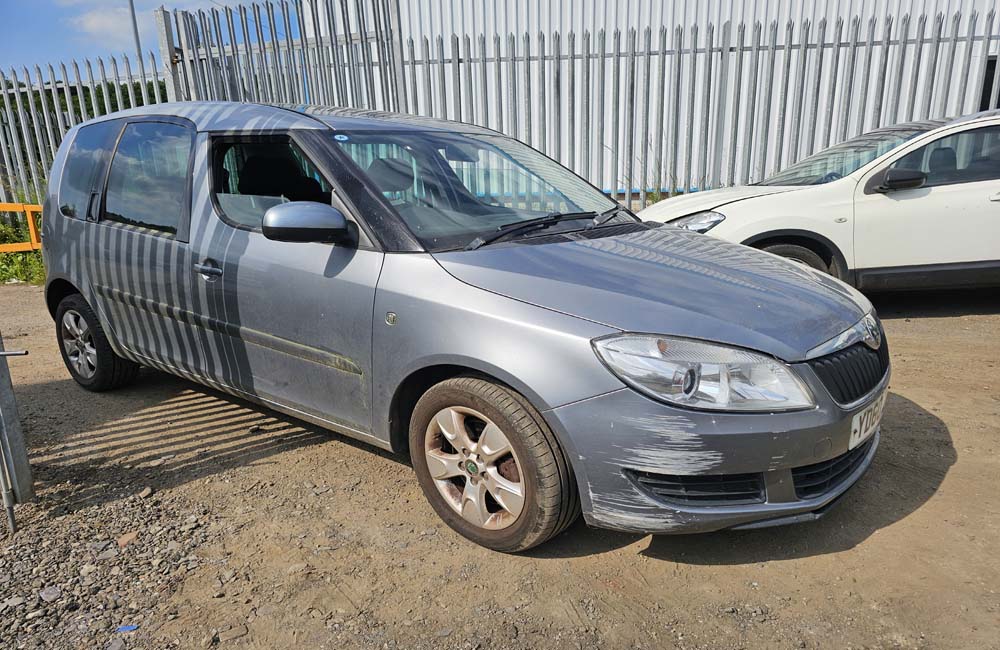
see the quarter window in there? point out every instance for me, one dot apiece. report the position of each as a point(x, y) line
point(147, 183)
point(966, 157)
point(85, 164)
point(250, 176)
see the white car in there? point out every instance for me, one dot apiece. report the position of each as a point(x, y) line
point(904, 207)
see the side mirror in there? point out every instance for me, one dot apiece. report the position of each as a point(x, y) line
point(305, 221)
point(901, 179)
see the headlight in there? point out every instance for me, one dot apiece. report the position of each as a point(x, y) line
point(699, 221)
point(701, 375)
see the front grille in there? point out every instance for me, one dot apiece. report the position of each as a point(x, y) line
point(853, 372)
point(714, 490)
point(814, 480)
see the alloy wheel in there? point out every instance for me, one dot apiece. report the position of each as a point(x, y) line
point(78, 343)
point(474, 467)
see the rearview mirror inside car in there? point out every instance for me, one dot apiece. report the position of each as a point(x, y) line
point(901, 179)
point(305, 221)
point(455, 153)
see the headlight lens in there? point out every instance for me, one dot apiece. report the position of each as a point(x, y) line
point(699, 221)
point(701, 375)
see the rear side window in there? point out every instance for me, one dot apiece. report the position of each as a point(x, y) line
point(85, 164)
point(147, 183)
point(253, 174)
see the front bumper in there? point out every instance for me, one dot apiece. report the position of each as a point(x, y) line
point(611, 437)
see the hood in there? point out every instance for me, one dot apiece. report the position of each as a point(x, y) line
point(670, 281)
point(685, 204)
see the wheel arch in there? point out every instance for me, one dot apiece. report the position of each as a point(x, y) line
point(418, 381)
point(814, 241)
point(56, 290)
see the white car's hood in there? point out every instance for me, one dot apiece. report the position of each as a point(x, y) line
point(686, 204)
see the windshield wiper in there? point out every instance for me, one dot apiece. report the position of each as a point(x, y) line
point(607, 216)
point(528, 225)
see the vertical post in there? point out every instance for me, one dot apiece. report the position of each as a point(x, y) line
point(138, 53)
point(15, 472)
point(396, 41)
point(168, 53)
point(720, 110)
point(529, 99)
point(970, 40)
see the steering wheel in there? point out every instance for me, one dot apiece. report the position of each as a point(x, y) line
point(829, 177)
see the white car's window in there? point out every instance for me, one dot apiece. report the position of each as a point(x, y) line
point(250, 175)
point(965, 157)
point(148, 175)
point(848, 156)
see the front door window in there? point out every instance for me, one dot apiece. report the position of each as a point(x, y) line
point(250, 176)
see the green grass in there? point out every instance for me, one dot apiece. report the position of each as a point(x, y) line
point(26, 267)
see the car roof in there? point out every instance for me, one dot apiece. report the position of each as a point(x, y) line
point(995, 112)
point(241, 116)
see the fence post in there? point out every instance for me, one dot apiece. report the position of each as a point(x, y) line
point(398, 63)
point(15, 472)
point(168, 53)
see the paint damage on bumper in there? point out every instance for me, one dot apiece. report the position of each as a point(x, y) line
point(613, 436)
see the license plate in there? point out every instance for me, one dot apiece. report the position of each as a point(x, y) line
point(866, 422)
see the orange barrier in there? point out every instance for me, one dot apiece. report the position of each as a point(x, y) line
point(34, 242)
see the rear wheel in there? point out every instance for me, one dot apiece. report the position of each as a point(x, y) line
point(86, 350)
point(490, 466)
point(799, 254)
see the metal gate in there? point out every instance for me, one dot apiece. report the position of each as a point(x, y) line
point(15, 473)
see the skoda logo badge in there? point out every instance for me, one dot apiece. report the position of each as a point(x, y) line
point(873, 337)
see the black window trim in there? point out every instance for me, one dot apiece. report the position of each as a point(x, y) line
point(184, 224)
point(365, 238)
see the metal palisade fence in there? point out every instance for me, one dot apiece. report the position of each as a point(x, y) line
point(642, 113)
point(38, 109)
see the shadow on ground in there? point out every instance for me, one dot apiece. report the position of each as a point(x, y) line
point(920, 304)
point(160, 432)
point(170, 432)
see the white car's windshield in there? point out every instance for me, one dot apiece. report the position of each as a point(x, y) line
point(451, 188)
point(849, 156)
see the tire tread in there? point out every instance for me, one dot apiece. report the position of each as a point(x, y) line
point(113, 371)
point(557, 496)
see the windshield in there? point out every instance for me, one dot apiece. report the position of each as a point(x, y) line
point(848, 156)
point(451, 188)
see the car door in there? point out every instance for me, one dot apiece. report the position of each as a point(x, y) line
point(141, 239)
point(287, 322)
point(945, 232)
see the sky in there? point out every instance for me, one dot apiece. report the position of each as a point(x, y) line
point(49, 31)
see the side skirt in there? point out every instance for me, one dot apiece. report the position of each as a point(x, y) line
point(930, 276)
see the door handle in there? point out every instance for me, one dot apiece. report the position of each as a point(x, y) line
point(208, 268)
point(995, 197)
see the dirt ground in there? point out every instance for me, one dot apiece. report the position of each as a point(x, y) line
point(264, 532)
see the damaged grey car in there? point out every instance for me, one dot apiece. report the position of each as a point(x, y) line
point(441, 290)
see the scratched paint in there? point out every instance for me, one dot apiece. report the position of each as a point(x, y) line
point(674, 448)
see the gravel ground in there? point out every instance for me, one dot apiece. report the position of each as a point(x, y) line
point(172, 516)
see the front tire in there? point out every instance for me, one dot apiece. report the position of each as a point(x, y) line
point(490, 466)
point(86, 350)
point(799, 254)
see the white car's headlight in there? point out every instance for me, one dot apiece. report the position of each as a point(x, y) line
point(699, 221)
point(700, 375)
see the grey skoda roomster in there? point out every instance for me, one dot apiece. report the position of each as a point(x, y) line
point(438, 287)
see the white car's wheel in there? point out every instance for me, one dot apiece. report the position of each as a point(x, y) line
point(799, 254)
